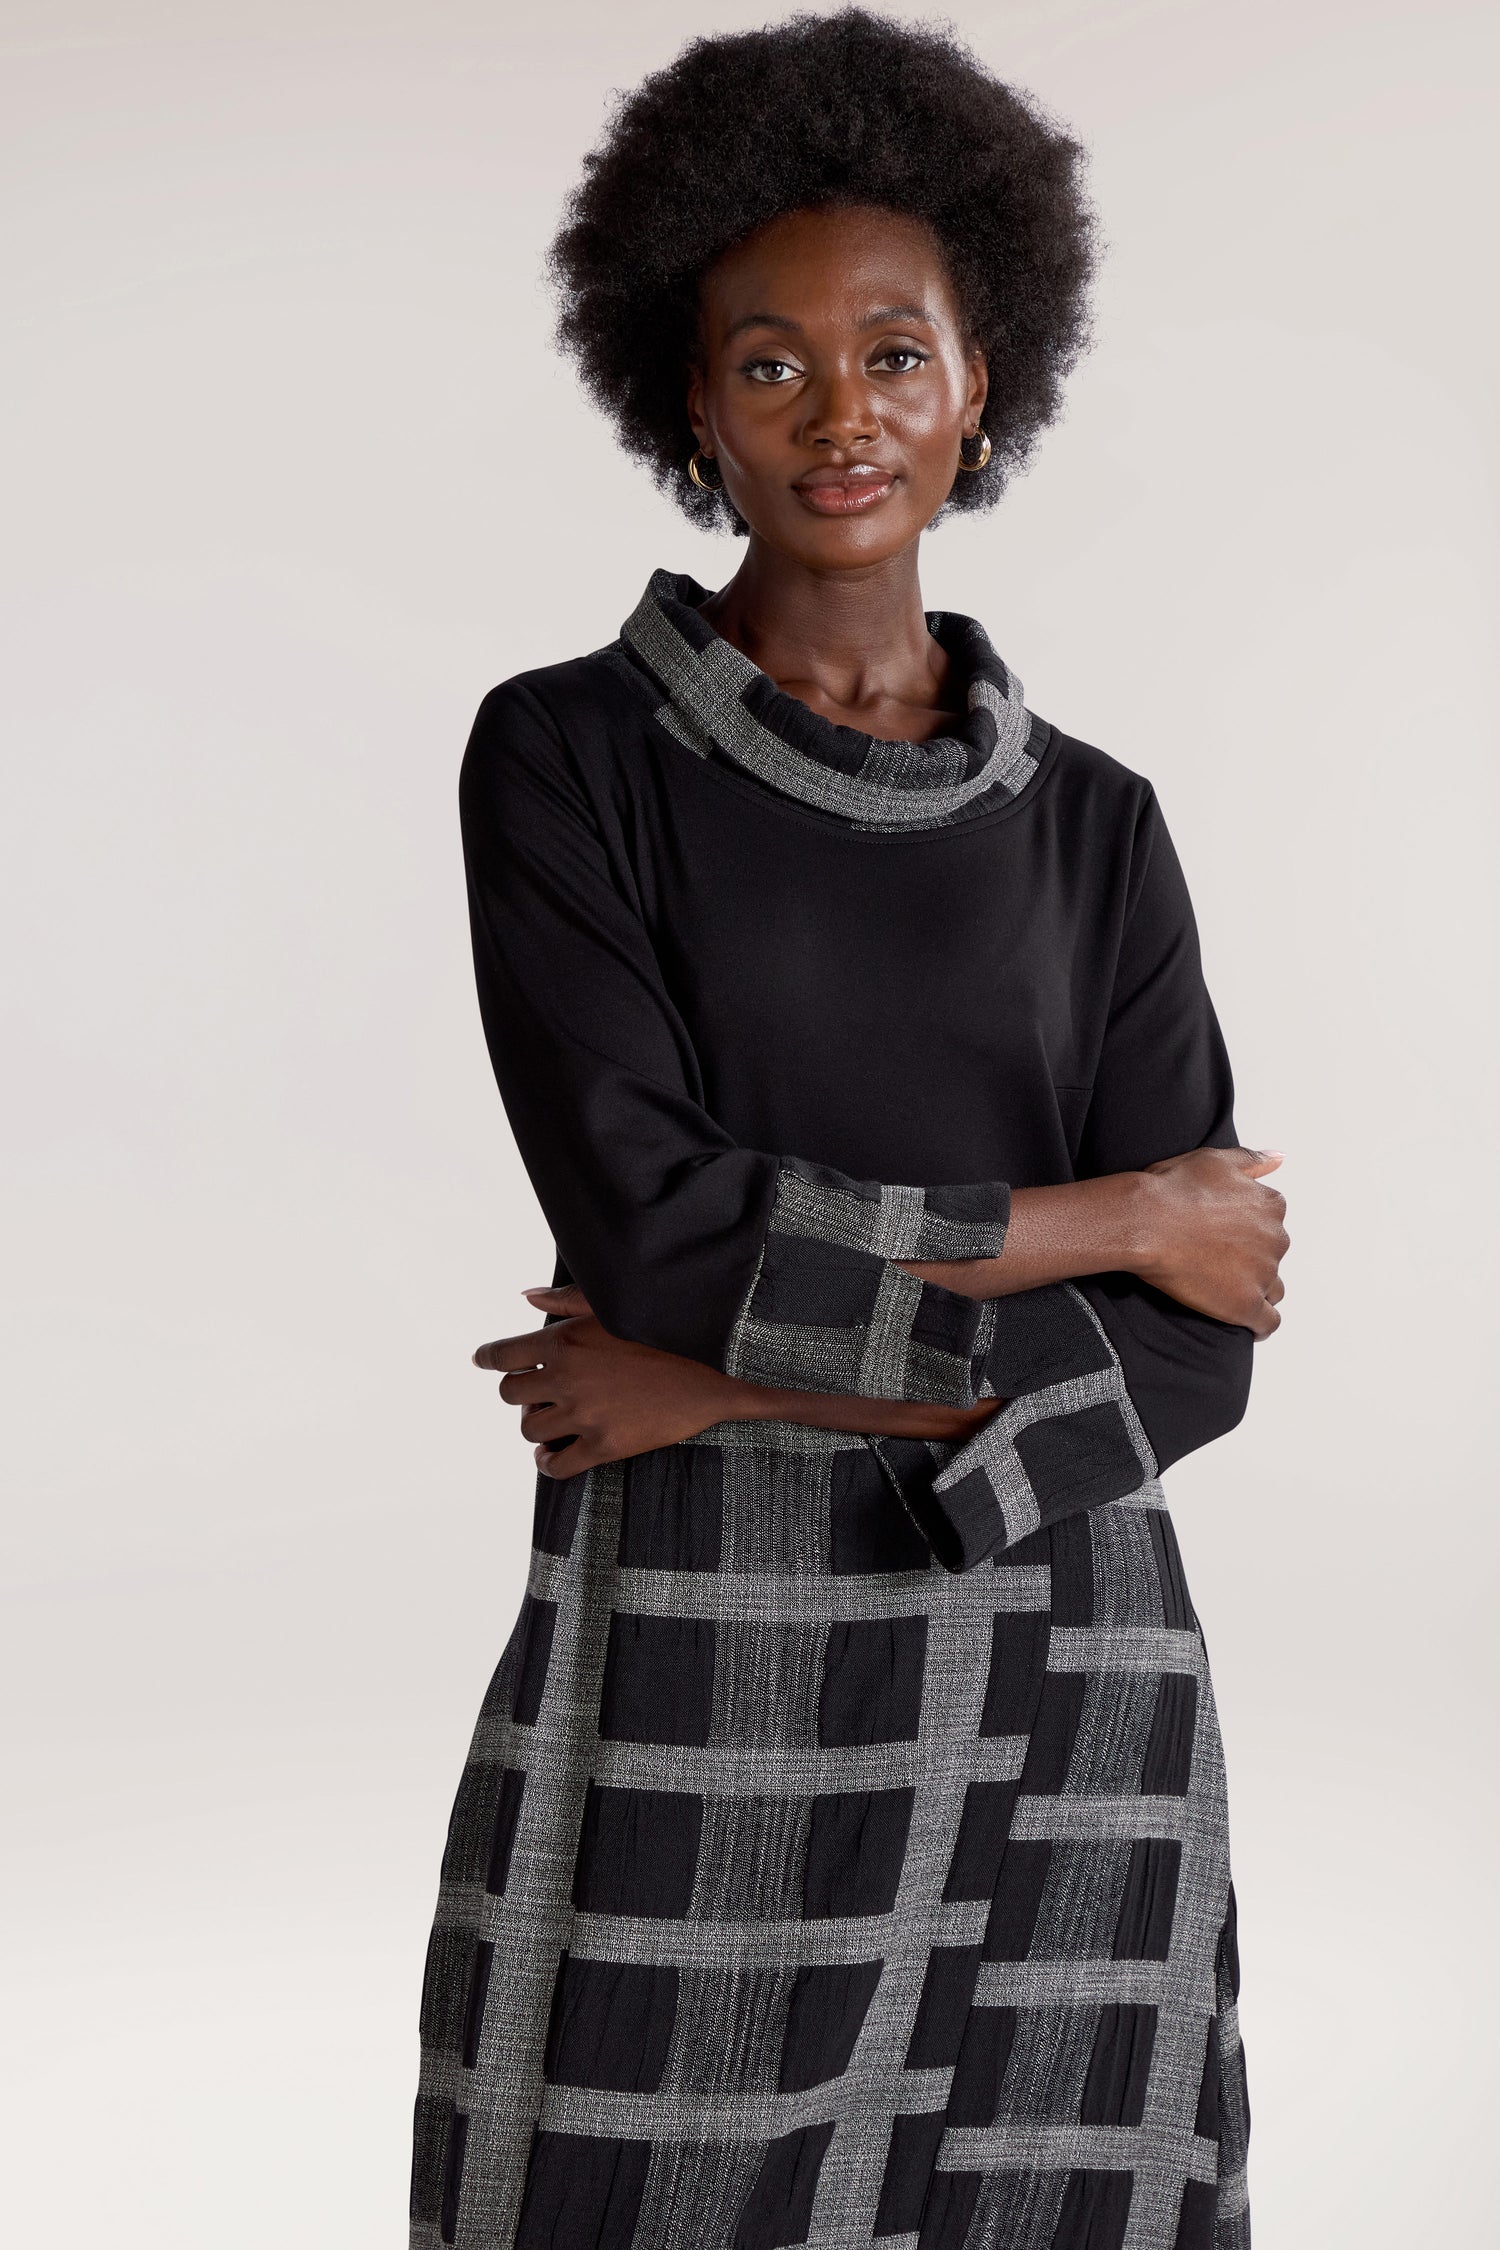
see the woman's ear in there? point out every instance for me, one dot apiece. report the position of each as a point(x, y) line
point(979, 388)
point(695, 403)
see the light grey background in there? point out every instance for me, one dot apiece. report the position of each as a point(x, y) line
point(291, 478)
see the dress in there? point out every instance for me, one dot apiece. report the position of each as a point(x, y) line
point(842, 1855)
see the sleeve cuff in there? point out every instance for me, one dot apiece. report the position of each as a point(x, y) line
point(1069, 1438)
point(829, 1310)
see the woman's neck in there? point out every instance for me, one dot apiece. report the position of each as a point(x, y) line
point(853, 645)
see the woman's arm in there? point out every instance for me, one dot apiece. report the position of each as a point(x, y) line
point(1198, 1227)
point(588, 1397)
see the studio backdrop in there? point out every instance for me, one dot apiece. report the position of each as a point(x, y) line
point(293, 476)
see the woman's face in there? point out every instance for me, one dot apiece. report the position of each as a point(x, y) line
point(836, 383)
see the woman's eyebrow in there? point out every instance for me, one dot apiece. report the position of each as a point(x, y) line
point(765, 320)
point(880, 317)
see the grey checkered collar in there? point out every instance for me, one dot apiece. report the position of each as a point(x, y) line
point(718, 703)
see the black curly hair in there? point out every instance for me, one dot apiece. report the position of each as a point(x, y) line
point(844, 108)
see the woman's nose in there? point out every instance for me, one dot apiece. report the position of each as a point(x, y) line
point(841, 412)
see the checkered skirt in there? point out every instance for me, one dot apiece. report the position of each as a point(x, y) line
point(801, 1890)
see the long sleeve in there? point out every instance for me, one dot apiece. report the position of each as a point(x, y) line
point(1164, 1086)
point(1165, 1379)
point(765, 1263)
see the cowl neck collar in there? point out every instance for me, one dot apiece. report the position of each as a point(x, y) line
point(720, 704)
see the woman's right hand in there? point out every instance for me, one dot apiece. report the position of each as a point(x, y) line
point(1213, 1237)
point(588, 1397)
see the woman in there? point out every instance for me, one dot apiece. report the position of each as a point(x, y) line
point(842, 1854)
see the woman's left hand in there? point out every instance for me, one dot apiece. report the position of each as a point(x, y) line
point(573, 1379)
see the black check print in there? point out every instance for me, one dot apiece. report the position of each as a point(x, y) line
point(801, 1890)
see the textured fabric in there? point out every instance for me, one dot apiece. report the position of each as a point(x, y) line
point(842, 1855)
point(829, 1310)
point(716, 700)
point(798, 1890)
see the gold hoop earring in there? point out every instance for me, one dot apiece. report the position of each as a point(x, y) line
point(983, 462)
point(697, 474)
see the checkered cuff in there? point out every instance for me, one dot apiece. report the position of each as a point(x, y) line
point(828, 1310)
point(1069, 1438)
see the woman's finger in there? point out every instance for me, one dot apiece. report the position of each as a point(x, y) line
point(514, 1351)
point(529, 1386)
point(547, 1421)
point(1260, 1161)
point(565, 1460)
point(567, 1298)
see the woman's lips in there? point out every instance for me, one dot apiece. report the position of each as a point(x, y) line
point(845, 494)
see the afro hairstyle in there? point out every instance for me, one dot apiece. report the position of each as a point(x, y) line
point(845, 108)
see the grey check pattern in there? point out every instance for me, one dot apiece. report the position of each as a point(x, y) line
point(716, 702)
point(800, 1890)
point(829, 1309)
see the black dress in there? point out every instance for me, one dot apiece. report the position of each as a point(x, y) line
point(842, 1856)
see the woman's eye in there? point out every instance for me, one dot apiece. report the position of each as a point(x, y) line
point(905, 353)
point(771, 370)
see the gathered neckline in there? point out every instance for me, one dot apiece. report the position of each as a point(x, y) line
point(719, 704)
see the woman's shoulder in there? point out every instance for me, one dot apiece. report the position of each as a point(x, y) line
point(596, 694)
point(553, 736)
point(1108, 824)
point(1089, 788)
point(1091, 775)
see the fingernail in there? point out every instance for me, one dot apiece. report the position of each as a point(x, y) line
point(539, 1291)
